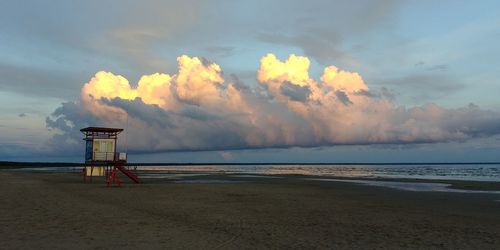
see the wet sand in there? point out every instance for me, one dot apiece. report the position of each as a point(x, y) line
point(58, 211)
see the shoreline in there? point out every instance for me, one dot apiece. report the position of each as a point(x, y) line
point(466, 185)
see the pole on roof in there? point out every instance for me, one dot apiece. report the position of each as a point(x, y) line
point(126, 130)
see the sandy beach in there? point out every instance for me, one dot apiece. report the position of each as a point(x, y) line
point(58, 211)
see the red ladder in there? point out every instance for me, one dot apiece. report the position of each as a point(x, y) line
point(113, 178)
point(128, 173)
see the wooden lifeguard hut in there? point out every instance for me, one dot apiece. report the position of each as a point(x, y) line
point(101, 158)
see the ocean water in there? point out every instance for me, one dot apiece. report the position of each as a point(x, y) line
point(471, 172)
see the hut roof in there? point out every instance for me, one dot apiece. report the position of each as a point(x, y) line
point(101, 129)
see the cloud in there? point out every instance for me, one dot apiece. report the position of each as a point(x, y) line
point(130, 39)
point(324, 33)
point(323, 48)
point(36, 82)
point(295, 92)
point(223, 51)
point(342, 97)
point(425, 86)
point(198, 108)
point(438, 67)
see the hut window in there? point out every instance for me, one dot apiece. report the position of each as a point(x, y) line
point(104, 145)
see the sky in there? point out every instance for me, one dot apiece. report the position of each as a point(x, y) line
point(252, 81)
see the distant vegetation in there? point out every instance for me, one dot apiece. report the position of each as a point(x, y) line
point(13, 164)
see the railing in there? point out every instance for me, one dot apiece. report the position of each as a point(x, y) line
point(108, 156)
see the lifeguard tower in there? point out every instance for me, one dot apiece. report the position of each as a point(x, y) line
point(101, 158)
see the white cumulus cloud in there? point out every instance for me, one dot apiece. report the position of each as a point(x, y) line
point(198, 109)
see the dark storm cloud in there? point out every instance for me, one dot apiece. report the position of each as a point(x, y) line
point(473, 121)
point(154, 130)
point(149, 128)
point(367, 93)
point(295, 92)
point(387, 94)
point(238, 83)
point(383, 93)
point(197, 113)
point(69, 119)
point(342, 97)
point(154, 115)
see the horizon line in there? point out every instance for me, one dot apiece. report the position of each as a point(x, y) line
point(21, 163)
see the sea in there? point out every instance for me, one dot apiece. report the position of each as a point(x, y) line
point(466, 172)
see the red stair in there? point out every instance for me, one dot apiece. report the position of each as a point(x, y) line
point(128, 173)
point(113, 178)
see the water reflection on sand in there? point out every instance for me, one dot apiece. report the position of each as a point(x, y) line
point(409, 186)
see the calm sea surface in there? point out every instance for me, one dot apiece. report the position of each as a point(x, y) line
point(481, 172)
point(474, 172)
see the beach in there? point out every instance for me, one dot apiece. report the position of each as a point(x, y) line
point(59, 211)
